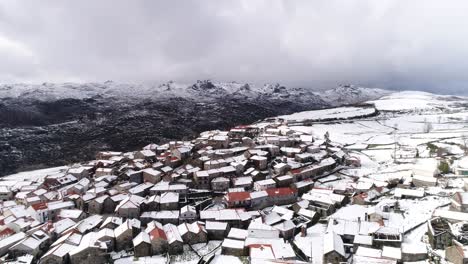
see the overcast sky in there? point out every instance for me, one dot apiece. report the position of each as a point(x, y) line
point(389, 44)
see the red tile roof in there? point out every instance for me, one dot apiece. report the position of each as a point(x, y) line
point(39, 206)
point(238, 196)
point(158, 233)
point(296, 171)
point(280, 191)
point(6, 232)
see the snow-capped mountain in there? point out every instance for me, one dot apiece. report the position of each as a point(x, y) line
point(199, 91)
point(350, 94)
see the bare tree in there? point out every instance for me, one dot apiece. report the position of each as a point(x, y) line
point(464, 138)
point(427, 126)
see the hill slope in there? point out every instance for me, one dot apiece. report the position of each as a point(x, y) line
point(54, 124)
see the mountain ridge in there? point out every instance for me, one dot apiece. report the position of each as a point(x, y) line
point(200, 90)
point(55, 124)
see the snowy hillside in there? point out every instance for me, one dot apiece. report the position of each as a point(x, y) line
point(415, 100)
point(350, 94)
point(417, 117)
point(329, 114)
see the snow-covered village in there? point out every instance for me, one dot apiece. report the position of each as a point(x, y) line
point(380, 182)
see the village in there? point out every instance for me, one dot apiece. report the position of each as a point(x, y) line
point(281, 190)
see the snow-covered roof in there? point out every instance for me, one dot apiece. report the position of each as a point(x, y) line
point(399, 192)
point(333, 242)
point(60, 250)
point(369, 252)
point(237, 233)
point(70, 213)
point(212, 225)
point(391, 252)
point(259, 194)
point(60, 204)
point(363, 240)
point(451, 215)
point(143, 237)
point(169, 197)
point(89, 240)
point(63, 225)
point(172, 233)
point(233, 243)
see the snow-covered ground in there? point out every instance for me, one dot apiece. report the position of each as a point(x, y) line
point(29, 177)
point(390, 147)
point(333, 113)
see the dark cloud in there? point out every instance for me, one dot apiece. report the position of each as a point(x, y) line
point(395, 44)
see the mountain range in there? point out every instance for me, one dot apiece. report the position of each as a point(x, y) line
point(49, 124)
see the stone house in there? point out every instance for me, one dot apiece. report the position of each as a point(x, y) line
point(284, 181)
point(32, 245)
point(72, 214)
point(202, 179)
point(163, 217)
point(259, 200)
point(188, 213)
point(96, 205)
point(111, 222)
point(58, 254)
point(107, 236)
point(439, 233)
point(142, 245)
point(169, 201)
point(233, 247)
point(135, 176)
point(145, 154)
point(459, 202)
point(151, 203)
point(89, 251)
point(83, 201)
point(158, 238)
point(264, 184)
point(79, 172)
point(456, 253)
point(286, 228)
point(216, 230)
point(182, 152)
point(174, 240)
point(281, 196)
point(238, 199)
point(124, 236)
point(193, 233)
point(129, 207)
point(151, 175)
point(333, 248)
point(220, 184)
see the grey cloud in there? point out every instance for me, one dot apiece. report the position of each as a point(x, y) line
point(316, 44)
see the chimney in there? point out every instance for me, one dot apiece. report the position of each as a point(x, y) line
point(303, 231)
point(359, 224)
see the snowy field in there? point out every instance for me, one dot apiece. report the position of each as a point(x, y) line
point(334, 113)
point(389, 147)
